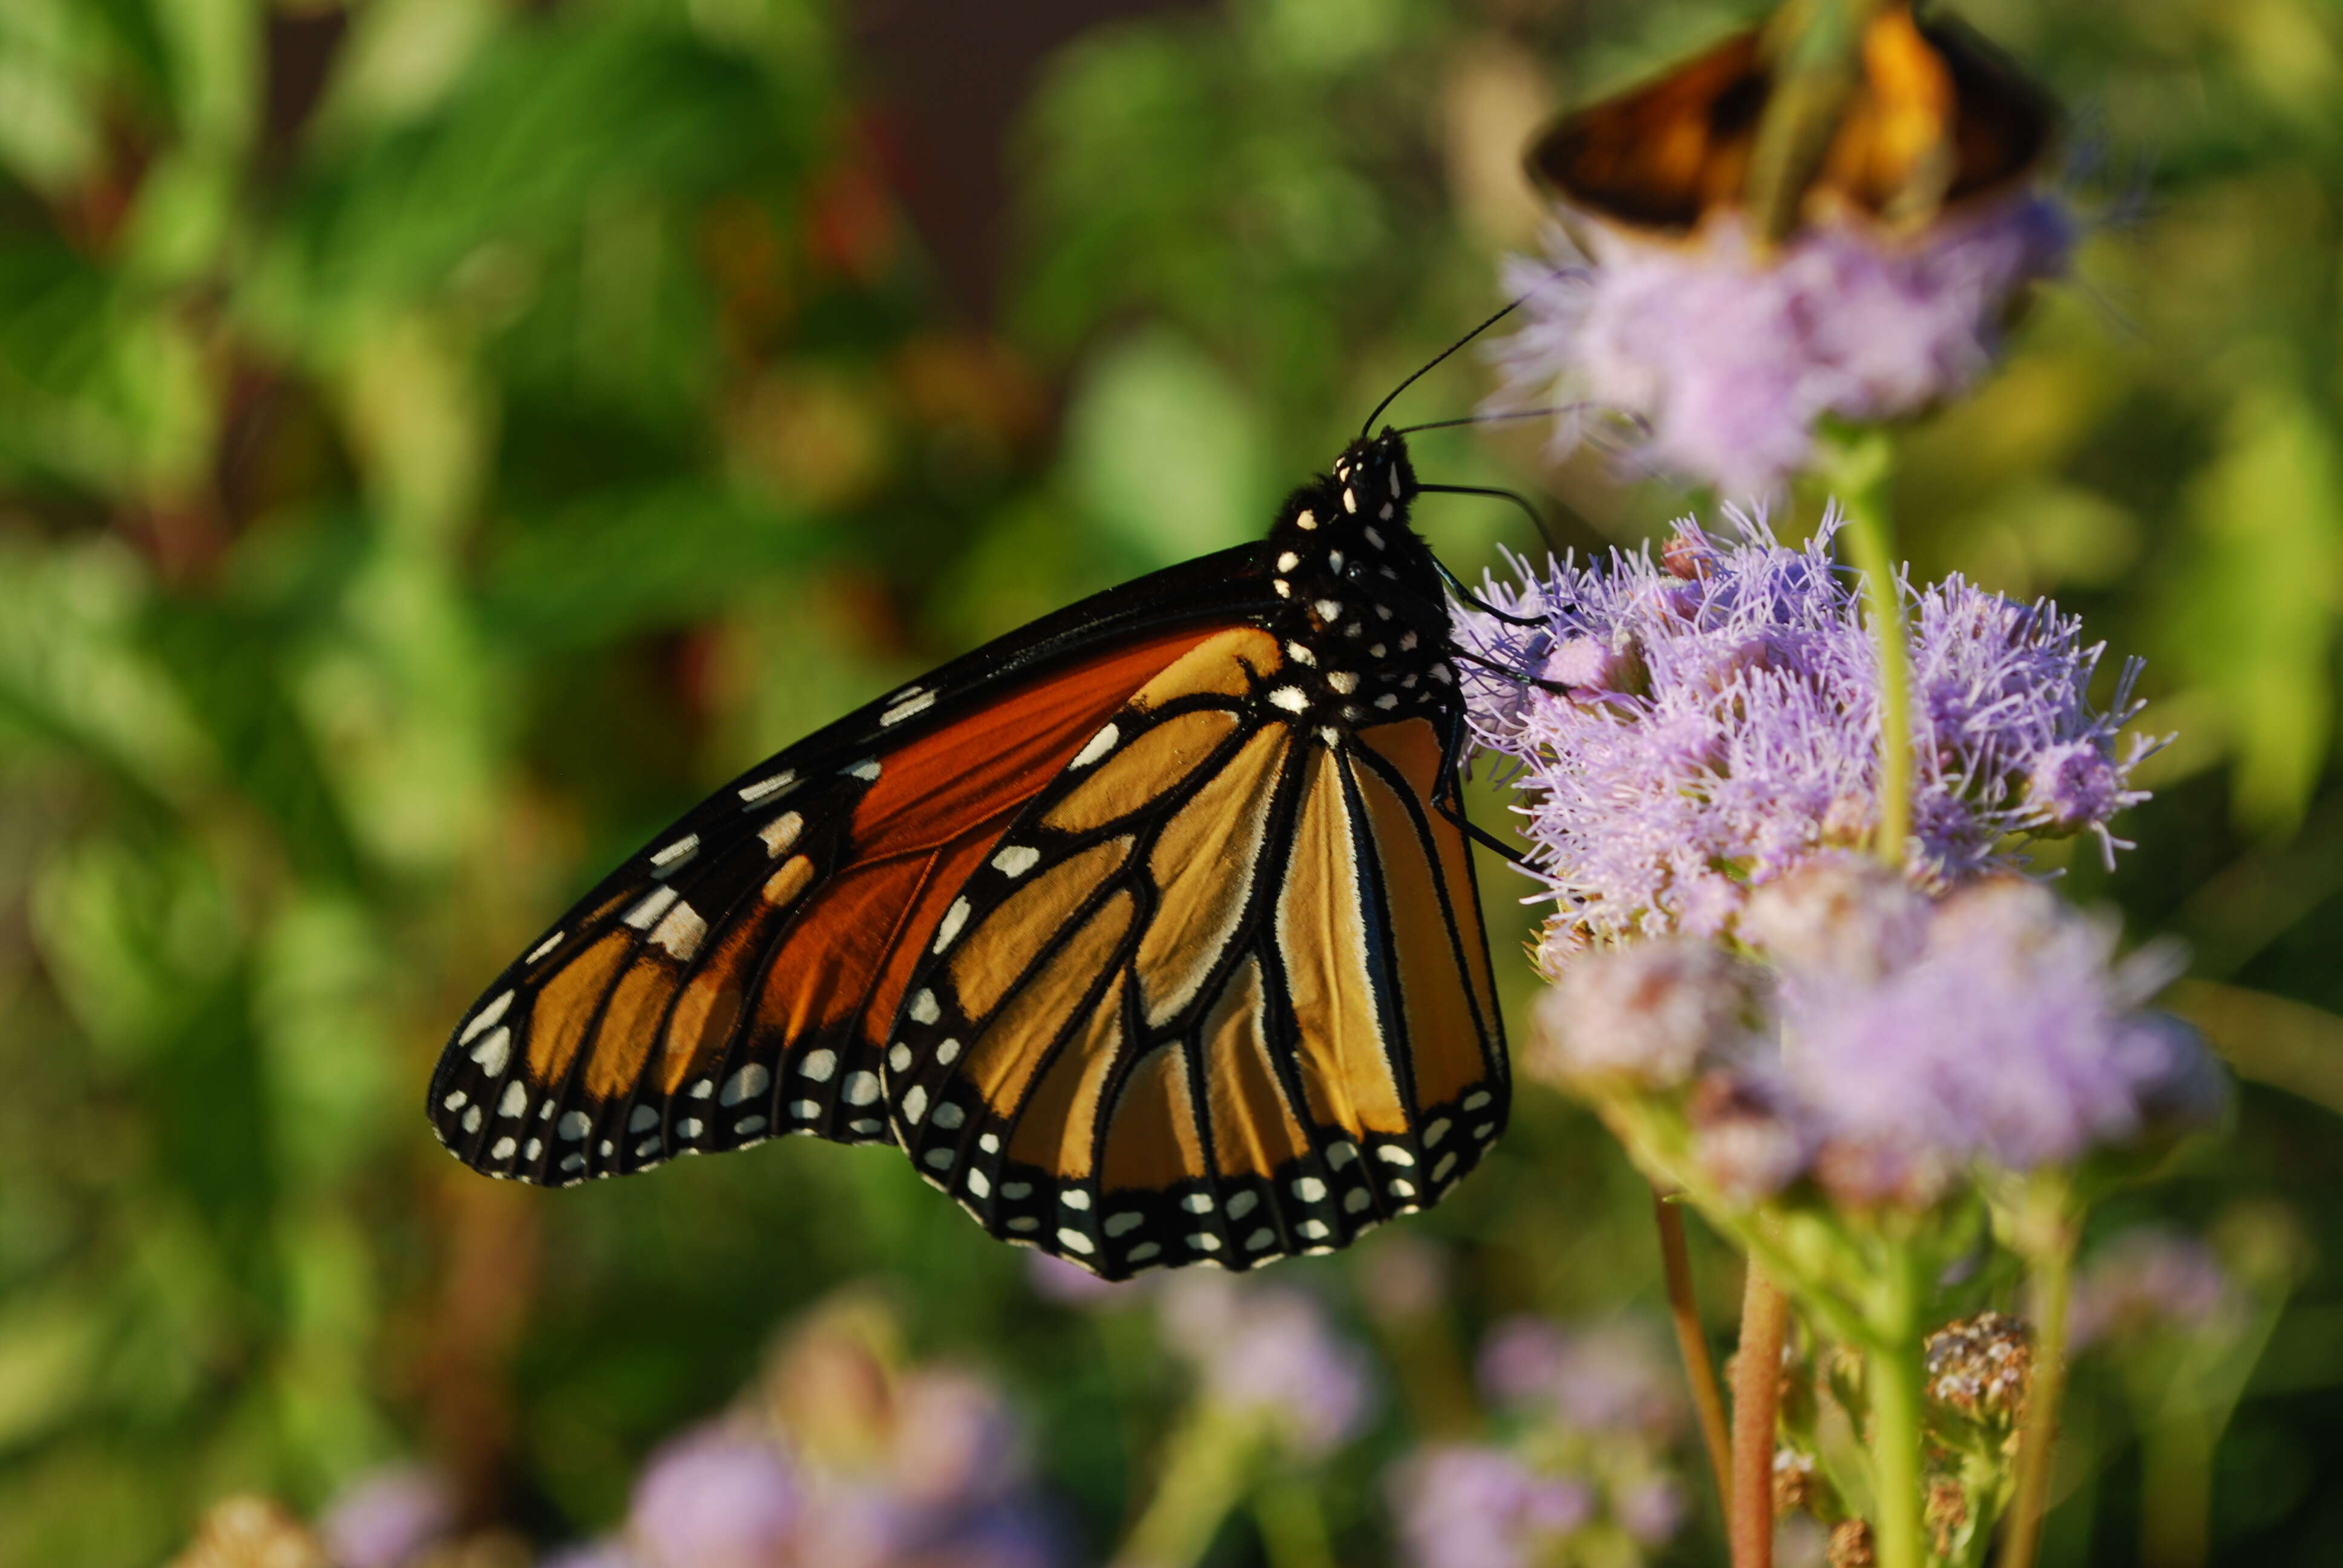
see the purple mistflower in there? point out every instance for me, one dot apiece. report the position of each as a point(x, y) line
point(2012, 1038)
point(1269, 1348)
point(1652, 1509)
point(1740, 738)
point(387, 1517)
point(715, 1498)
point(957, 1446)
point(1729, 359)
point(1055, 1280)
point(1611, 1378)
point(1643, 1014)
point(2146, 1279)
point(1466, 1506)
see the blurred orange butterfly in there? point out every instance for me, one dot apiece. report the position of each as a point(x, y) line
point(1149, 931)
point(1937, 117)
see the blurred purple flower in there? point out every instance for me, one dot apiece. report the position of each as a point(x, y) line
point(1729, 359)
point(1055, 1280)
point(1269, 1348)
point(1463, 1506)
point(1611, 1378)
point(1520, 1361)
point(715, 1498)
point(2146, 1279)
point(957, 1445)
point(2013, 1037)
point(1652, 1511)
point(387, 1517)
point(1746, 742)
point(1643, 1014)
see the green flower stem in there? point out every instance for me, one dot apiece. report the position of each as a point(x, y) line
point(2048, 1239)
point(1293, 1525)
point(1208, 1465)
point(1856, 465)
point(1893, 1385)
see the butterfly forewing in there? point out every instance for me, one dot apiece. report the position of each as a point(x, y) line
point(729, 982)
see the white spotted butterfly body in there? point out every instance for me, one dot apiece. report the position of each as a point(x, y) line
point(1149, 932)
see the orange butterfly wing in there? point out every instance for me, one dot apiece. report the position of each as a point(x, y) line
point(1938, 110)
point(729, 982)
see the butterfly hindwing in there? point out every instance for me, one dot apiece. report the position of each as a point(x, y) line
point(1222, 994)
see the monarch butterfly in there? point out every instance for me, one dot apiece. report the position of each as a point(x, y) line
point(1938, 117)
point(1150, 932)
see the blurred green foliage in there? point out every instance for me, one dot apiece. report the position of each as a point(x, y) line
point(440, 438)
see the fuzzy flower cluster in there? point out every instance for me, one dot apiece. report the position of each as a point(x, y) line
point(1580, 1471)
point(2149, 1281)
point(1689, 728)
point(1729, 359)
point(1269, 1351)
point(1889, 1042)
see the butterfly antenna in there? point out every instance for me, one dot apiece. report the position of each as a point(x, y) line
point(1435, 359)
point(1537, 518)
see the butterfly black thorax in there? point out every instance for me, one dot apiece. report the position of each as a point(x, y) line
point(1362, 616)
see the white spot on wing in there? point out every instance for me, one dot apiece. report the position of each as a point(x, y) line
point(1447, 1163)
point(781, 832)
point(1242, 1204)
point(644, 1119)
point(898, 1056)
point(1204, 1242)
point(1260, 1238)
point(1197, 1202)
point(1306, 520)
point(543, 948)
point(646, 914)
point(1291, 699)
point(485, 1017)
point(949, 1116)
point(516, 1100)
point(949, 927)
point(1075, 1198)
point(746, 1127)
point(456, 1100)
point(1316, 1229)
point(574, 1125)
point(1392, 1154)
point(1350, 499)
point(1308, 1189)
point(938, 1158)
point(923, 1007)
point(947, 1053)
point(1288, 561)
point(915, 1104)
point(493, 1052)
point(1436, 1132)
point(665, 861)
point(1074, 1241)
point(504, 1149)
point(861, 1088)
point(472, 1119)
point(1017, 859)
point(1123, 1223)
point(680, 933)
point(750, 1082)
point(1343, 681)
point(908, 706)
point(1329, 609)
point(818, 1065)
point(752, 793)
point(805, 1109)
point(867, 770)
point(1141, 1253)
point(1299, 654)
point(1477, 1098)
point(1097, 747)
point(978, 1184)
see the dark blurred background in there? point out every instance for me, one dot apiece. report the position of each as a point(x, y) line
point(441, 438)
